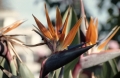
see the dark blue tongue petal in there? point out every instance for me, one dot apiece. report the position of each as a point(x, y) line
point(60, 59)
point(76, 46)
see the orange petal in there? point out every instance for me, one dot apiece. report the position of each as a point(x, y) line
point(94, 36)
point(58, 20)
point(88, 33)
point(63, 28)
point(108, 38)
point(69, 38)
point(96, 22)
point(12, 26)
point(91, 35)
point(44, 31)
point(96, 26)
point(50, 26)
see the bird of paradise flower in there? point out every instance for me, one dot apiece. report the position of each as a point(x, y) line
point(90, 34)
point(58, 41)
point(7, 44)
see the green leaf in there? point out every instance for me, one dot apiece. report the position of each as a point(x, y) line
point(72, 20)
point(24, 72)
point(4, 64)
point(106, 71)
point(52, 74)
point(57, 73)
point(61, 74)
point(113, 66)
point(13, 67)
point(70, 74)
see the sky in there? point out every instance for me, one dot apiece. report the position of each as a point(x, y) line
point(26, 8)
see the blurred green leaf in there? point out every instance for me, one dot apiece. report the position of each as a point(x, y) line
point(5, 65)
point(61, 74)
point(70, 74)
point(13, 67)
point(113, 66)
point(106, 71)
point(57, 73)
point(24, 72)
